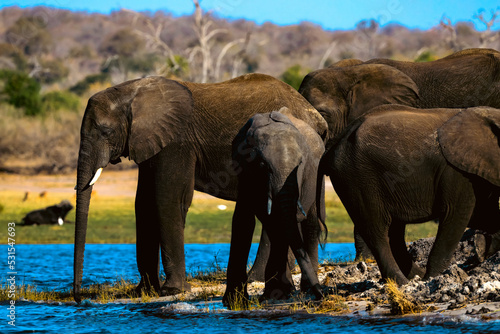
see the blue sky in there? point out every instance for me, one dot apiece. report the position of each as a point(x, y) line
point(330, 14)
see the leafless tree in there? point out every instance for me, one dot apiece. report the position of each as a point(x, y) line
point(153, 40)
point(487, 36)
point(202, 27)
point(327, 53)
point(366, 38)
point(452, 39)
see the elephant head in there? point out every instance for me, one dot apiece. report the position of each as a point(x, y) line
point(342, 94)
point(260, 141)
point(135, 119)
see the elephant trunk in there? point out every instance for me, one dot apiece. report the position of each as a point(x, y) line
point(82, 210)
point(86, 176)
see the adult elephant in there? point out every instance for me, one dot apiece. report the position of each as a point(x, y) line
point(349, 88)
point(179, 134)
point(277, 158)
point(398, 165)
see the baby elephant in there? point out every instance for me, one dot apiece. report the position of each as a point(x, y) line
point(54, 214)
point(276, 158)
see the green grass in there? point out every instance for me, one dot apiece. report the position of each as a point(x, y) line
point(112, 220)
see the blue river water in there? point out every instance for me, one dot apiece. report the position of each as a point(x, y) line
point(50, 267)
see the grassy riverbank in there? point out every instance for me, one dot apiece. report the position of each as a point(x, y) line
point(112, 217)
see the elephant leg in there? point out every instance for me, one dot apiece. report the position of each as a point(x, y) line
point(485, 244)
point(257, 273)
point(147, 232)
point(486, 218)
point(363, 252)
point(400, 251)
point(310, 236)
point(376, 234)
point(279, 284)
point(243, 226)
point(309, 277)
point(259, 266)
point(311, 233)
point(450, 230)
point(174, 172)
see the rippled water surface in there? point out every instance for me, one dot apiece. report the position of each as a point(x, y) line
point(50, 267)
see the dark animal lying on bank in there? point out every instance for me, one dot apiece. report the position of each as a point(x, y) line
point(54, 214)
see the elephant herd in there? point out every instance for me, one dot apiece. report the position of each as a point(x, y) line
point(402, 143)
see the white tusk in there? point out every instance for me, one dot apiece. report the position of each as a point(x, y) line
point(60, 221)
point(96, 176)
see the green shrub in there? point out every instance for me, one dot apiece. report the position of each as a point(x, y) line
point(294, 76)
point(21, 91)
point(425, 56)
point(177, 69)
point(58, 100)
point(83, 85)
point(15, 55)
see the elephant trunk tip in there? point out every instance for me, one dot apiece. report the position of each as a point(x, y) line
point(76, 295)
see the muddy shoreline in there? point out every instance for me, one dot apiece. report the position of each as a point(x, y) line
point(468, 290)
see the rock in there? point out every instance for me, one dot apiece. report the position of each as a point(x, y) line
point(466, 279)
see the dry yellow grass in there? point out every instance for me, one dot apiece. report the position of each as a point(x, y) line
point(400, 303)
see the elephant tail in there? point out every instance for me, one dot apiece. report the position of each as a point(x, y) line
point(321, 209)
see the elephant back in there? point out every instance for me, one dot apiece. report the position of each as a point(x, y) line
point(242, 97)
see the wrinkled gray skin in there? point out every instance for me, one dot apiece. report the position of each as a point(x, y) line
point(349, 88)
point(278, 158)
point(443, 166)
point(180, 135)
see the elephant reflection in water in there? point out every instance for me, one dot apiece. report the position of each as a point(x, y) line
point(277, 157)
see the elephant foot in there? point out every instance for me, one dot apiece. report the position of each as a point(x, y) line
point(480, 246)
point(416, 271)
point(277, 292)
point(174, 290)
point(363, 253)
point(235, 299)
point(316, 291)
point(399, 279)
point(145, 286)
point(485, 245)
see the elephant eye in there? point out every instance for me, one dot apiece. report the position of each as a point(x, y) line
point(106, 131)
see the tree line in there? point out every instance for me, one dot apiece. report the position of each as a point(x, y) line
point(50, 57)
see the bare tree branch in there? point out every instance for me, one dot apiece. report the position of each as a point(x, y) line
point(452, 40)
point(487, 36)
point(329, 50)
point(153, 39)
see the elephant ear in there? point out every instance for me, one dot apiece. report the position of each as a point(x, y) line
point(470, 142)
point(243, 145)
point(161, 110)
point(380, 84)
